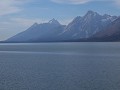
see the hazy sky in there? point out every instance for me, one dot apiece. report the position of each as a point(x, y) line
point(18, 15)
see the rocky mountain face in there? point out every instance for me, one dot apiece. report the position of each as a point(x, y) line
point(111, 33)
point(86, 26)
point(81, 27)
point(40, 32)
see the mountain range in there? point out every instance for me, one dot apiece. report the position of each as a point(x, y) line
point(90, 27)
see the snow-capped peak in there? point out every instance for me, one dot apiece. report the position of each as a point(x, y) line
point(107, 17)
point(54, 21)
point(91, 13)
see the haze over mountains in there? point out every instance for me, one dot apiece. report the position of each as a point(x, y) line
point(91, 25)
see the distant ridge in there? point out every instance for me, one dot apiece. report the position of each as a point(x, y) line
point(80, 29)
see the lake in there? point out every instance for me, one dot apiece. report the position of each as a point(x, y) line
point(60, 66)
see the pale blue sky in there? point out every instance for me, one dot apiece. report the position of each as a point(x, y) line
point(18, 15)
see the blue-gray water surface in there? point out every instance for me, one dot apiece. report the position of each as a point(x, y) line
point(60, 66)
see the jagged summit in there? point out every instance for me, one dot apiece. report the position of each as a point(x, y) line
point(54, 21)
point(106, 15)
point(35, 24)
point(78, 18)
point(91, 13)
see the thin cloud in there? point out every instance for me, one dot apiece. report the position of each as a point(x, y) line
point(82, 1)
point(27, 22)
point(10, 6)
point(117, 2)
point(72, 1)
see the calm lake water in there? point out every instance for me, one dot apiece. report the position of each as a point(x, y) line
point(60, 66)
